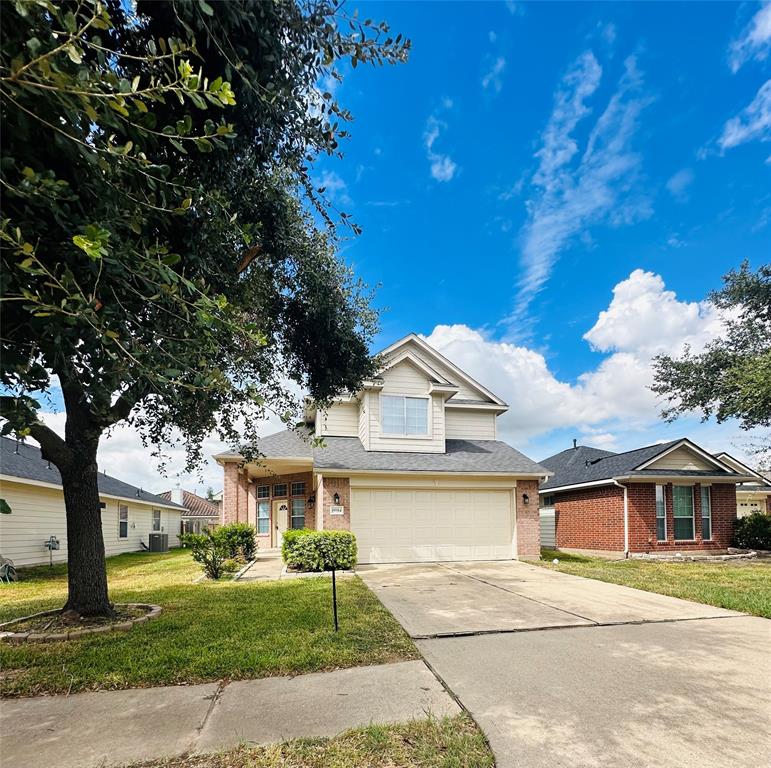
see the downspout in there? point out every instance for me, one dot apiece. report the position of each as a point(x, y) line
point(626, 517)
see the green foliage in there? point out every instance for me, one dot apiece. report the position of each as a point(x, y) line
point(753, 532)
point(289, 539)
point(321, 551)
point(239, 538)
point(731, 378)
point(209, 550)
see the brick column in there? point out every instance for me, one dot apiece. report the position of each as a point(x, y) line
point(229, 507)
point(243, 497)
point(251, 504)
point(528, 519)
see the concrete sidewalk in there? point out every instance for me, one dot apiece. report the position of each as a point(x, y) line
point(114, 727)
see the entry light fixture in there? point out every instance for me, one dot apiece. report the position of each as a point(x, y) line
point(311, 501)
point(337, 499)
point(525, 498)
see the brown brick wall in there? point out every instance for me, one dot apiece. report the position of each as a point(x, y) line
point(590, 518)
point(328, 488)
point(268, 540)
point(528, 522)
point(229, 510)
point(593, 518)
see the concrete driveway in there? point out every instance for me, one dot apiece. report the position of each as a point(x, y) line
point(564, 671)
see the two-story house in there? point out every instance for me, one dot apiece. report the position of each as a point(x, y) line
point(411, 464)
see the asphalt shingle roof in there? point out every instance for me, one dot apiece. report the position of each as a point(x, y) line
point(347, 453)
point(24, 461)
point(585, 465)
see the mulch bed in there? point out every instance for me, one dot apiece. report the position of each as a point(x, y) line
point(58, 623)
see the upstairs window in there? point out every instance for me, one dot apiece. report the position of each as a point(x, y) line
point(404, 415)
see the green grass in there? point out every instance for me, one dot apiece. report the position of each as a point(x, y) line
point(208, 631)
point(737, 585)
point(453, 742)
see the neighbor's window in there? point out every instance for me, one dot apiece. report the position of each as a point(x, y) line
point(263, 491)
point(122, 521)
point(156, 519)
point(706, 513)
point(298, 513)
point(661, 514)
point(682, 503)
point(279, 490)
point(404, 415)
point(298, 489)
point(263, 517)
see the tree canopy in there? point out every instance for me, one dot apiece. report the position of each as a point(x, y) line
point(165, 256)
point(731, 378)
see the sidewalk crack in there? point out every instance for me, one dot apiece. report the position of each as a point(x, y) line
point(215, 697)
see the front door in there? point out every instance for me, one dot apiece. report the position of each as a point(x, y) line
point(280, 521)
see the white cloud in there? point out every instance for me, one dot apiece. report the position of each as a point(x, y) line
point(611, 404)
point(753, 123)
point(678, 184)
point(574, 190)
point(492, 78)
point(335, 187)
point(754, 42)
point(442, 166)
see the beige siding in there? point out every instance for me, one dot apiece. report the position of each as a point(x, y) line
point(38, 513)
point(364, 419)
point(461, 424)
point(405, 379)
point(681, 458)
point(342, 420)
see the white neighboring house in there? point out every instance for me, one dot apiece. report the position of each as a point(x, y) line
point(750, 497)
point(32, 488)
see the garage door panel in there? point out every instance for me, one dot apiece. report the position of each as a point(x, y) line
point(430, 525)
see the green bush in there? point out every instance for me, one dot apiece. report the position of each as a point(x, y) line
point(239, 540)
point(208, 550)
point(321, 551)
point(289, 539)
point(753, 531)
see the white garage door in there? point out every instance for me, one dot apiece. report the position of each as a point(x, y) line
point(408, 526)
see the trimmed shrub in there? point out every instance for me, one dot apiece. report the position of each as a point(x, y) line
point(753, 531)
point(321, 551)
point(208, 550)
point(289, 539)
point(239, 540)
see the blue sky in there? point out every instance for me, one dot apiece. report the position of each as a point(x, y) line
point(529, 160)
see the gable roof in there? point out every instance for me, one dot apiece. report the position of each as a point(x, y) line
point(25, 462)
point(430, 352)
point(348, 454)
point(195, 505)
point(731, 460)
point(583, 464)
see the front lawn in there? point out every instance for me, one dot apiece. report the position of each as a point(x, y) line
point(208, 631)
point(454, 742)
point(740, 585)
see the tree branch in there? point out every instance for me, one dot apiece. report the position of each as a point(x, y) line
point(22, 418)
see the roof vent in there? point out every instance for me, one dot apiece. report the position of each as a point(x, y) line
point(575, 443)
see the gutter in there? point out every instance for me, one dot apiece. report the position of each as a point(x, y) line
point(626, 517)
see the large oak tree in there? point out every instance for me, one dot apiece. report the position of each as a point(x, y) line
point(165, 257)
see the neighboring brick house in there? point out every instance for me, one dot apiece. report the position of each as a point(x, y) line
point(411, 464)
point(754, 496)
point(200, 514)
point(662, 498)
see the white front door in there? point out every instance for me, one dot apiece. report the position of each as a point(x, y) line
point(403, 526)
point(280, 521)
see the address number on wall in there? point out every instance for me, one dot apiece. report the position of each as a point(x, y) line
point(336, 511)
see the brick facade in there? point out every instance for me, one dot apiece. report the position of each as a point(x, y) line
point(269, 539)
point(328, 487)
point(528, 520)
point(593, 518)
point(590, 518)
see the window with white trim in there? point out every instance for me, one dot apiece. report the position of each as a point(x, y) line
point(298, 489)
point(156, 519)
point(706, 513)
point(263, 516)
point(661, 514)
point(682, 508)
point(298, 513)
point(279, 490)
point(122, 521)
point(263, 491)
point(402, 415)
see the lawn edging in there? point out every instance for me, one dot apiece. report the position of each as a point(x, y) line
point(9, 636)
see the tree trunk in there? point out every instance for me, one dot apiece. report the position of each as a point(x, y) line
point(86, 568)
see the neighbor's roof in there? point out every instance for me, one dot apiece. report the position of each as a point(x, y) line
point(23, 461)
point(196, 506)
point(347, 453)
point(584, 464)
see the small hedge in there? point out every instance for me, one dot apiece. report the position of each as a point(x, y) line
point(753, 531)
point(239, 540)
point(308, 550)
